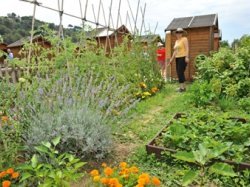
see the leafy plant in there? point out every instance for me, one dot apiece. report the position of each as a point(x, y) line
point(187, 132)
point(202, 157)
point(10, 141)
point(50, 168)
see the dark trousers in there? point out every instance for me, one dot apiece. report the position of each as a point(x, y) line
point(180, 68)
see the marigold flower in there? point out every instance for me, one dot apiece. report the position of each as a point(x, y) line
point(4, 118)
point(134, 169)
point(104, 165)
point(10, 171)
point(94, 173)
point(146, 177)
point(96, 178)
point(141, 181)
point(15, 175)
point(139, 185)
point(6, 183)
point(104, 180)
point(143, 85)
point(123, 164)
point(3, 174)
point(108, 171)
point(156, 181)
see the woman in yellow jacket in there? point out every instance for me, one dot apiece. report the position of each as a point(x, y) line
point(181, 56)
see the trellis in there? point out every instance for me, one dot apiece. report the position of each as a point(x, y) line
point(108, 23)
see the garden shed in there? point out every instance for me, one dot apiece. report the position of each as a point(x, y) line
point(18, 45)
point(203, 34)
point(150, 39)
point(107, 37)
point(3, 48)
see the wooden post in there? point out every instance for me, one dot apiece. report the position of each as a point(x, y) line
point(168, 49)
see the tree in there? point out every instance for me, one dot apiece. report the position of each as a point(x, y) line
point(224, 43)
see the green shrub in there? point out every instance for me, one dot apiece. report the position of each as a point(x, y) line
point(50, 168)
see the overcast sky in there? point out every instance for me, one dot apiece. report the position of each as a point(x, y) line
point(233, 15)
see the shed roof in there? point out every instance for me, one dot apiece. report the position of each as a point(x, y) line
point(150, 38)
point(22, 41)
point(193, 22)
point(104, 31)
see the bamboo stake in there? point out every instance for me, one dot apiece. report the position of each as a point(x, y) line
point(80, 5)
point(143, 17)
point(32, 33)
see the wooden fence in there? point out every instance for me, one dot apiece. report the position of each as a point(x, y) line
point(11, 74)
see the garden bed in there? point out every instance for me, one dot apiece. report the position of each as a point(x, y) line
point(153, 146)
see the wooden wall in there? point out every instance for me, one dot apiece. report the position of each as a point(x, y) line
point(201, 41)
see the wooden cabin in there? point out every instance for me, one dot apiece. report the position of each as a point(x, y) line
point(17, 46)
point(203, 34)
point(3, 48)
point(150, 39)
point(108, 38)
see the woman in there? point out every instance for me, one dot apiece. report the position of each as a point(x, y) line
point(181, 55)
point(161, 56)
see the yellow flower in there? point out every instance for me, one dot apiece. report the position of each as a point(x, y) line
point(10, 171)
point(6, 183)
point(143, 85)
point(96, 178)
point(94, 173)
point(134, 169)
point(15, 175)
point(104, 165)
point(108, 171)
point(156, 181)
point(123, 165)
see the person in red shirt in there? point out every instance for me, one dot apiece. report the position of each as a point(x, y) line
point(161, 59)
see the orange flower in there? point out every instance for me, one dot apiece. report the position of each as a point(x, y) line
point(5, 118)
point(6, 183)
point(154, 89)
point(123, 165)
point(141, 181)
point(146, 178)
point(3, 174)
point(104, 165)
point(139, 185)
point(104, 180)
point(156, 181)
point(96, 178)
point(15, 175)
point(108, 171)
point(94, 173)
point(10, 171)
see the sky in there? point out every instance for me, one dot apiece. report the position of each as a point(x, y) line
point(233, 15)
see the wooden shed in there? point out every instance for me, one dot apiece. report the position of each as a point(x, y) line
point(108, 38)
point(3, 48)
point(18, 45)
point(203, 34)
point(150, 39)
